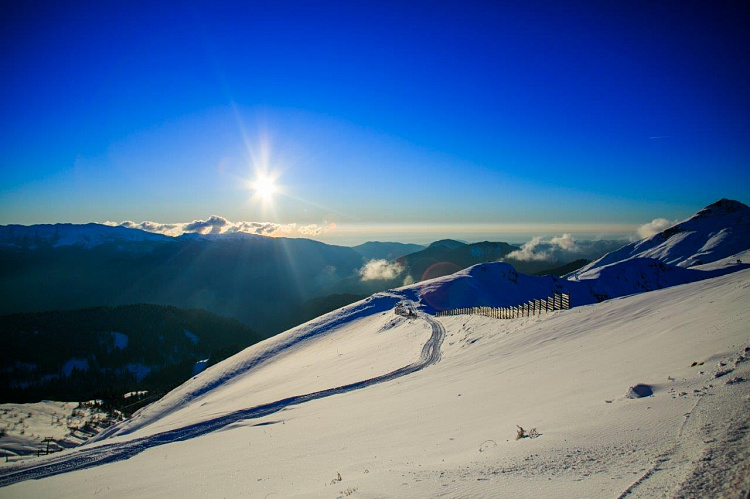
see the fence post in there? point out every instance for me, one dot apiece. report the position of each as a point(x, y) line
point(566, 301)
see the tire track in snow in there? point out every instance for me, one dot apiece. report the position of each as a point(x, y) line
point(84, 458)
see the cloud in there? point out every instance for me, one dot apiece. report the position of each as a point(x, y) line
point(653, 227)
point(380, 269)
point(220, 225)
point(213, 225)
point(159, 228)
point(564, 248)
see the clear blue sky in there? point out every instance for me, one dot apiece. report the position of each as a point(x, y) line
point(379, 116)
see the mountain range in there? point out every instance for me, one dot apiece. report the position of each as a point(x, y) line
point(718, 231)
point(267, 283)
point(640, 388)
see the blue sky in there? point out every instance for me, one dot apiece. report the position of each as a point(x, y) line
point(391, 120)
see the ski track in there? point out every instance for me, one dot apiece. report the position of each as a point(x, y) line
point(88, 458)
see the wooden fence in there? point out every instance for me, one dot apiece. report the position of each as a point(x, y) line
point(558, 301)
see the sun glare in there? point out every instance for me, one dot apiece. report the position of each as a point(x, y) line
point(265, 188)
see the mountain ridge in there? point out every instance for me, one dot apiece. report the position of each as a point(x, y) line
point(717, 231)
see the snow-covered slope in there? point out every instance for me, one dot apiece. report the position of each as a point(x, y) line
point(718, 231)
point(449, 428)
point(490, 284)
point(86, 235)
point(499, 285)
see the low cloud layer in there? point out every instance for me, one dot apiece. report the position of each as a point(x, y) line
point(653, 227)
point(220, 225)
point(380, 269)
point(562, 249)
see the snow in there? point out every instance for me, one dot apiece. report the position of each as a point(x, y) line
point(68, 423)
point(138, 370)
point(191, 337)
point(74, 364)
point(226, 236)
point(86, 235)
point(120, 340)
point(645, 393)
point(499, 285)
point(720, 230)
point(139, 393)
point(450, 428)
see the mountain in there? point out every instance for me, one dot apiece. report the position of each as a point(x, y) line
point(104, 352)
point(495, 284)
point(447, 243)
point(376, 250)
point(254, 279)
point(500, 285)
point(447, 256)
point(363, 401)
point(87, 236)
point(718, 231)
point(569, 403)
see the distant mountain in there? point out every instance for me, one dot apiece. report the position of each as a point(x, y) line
point(376, 250)
point(87, 236)
point(718, 231)
point(105, 352)
point(447, 256)
point(447, 243)
point(258, 280)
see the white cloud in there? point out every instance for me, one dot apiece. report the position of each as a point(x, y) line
point(220, 225)
point(533, 250)
point(213, 225)
point(566, 242)
point(564, 248)
point(653, 227)
point(380, 269)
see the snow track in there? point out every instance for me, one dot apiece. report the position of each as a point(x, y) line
point(84, 458)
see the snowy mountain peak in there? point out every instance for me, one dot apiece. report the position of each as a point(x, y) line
point(716, 232)
point(65, 234)
point(226, 236)
point(720, 208)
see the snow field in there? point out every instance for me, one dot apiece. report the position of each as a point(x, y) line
point(337, 357)
point(449, 430)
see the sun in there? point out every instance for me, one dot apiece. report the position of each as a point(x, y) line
point(265, 188)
